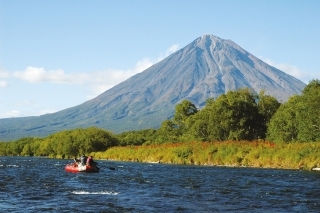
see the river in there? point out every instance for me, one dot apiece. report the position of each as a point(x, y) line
point(42, 185)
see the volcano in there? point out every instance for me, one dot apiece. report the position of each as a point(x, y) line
point(206, 68)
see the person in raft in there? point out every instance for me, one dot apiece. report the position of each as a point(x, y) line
point(82, 160)
point(90, 161)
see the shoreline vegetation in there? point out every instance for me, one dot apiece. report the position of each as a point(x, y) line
point(258, 154)
point(239, 128)
point(246, 154)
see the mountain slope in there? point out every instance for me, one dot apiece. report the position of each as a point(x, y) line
point(207, 67)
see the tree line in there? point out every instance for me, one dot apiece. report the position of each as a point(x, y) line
point(235, 116)
point(64, 144)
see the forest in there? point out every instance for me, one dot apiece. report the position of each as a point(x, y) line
point(237, 117)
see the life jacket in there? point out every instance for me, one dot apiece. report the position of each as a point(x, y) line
point(89, 161)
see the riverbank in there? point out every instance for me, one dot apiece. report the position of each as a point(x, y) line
point(232, 154)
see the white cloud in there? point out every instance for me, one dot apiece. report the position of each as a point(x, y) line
point(26, 108)
point(3, 74)
point(3, 84)
point(27, 103)
point(10, 114)
point(103, 80)
point(99, 80)
point(93, 83)
point(147, 62)
point(172, 49)
point(45, 111)
point(35, 74)
point(291, 70)
point(23, 108)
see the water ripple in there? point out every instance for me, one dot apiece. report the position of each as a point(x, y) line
point(42, 185)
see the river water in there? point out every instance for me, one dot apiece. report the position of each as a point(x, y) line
point(42, 185)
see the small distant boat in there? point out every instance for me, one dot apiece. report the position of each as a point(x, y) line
point(316, 169)
point(75, 167)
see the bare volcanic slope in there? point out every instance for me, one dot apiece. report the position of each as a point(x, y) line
point(207, 67)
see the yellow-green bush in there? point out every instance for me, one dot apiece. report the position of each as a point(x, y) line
point(229, 153)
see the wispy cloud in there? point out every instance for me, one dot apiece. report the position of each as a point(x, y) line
point(3, 75)
point(28, 108)
point(101, 81)
point(27, 103)
point(169, 51)
point(35, 75)
point(94, 83)
point(98, 81)
point(3, 84)
point(10, 114)
point(292, 70)
point(15, 112)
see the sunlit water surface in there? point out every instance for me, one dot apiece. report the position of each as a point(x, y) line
point(42, 185)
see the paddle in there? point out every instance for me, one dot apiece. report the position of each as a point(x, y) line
point(111, 168)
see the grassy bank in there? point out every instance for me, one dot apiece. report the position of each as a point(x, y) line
point(252, 154)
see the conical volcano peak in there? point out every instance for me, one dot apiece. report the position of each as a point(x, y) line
point(210, 37)
point(206, 68)
point(211, 42)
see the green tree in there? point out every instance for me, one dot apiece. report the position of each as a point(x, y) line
point(235, 116)
point(184, 110)
point(308, 113)
point(27, 150)
point(136, 137)
point(232, 116)
point(3, 148)
point(167, 132)
point(197, 127)
point(267, 106)
point(299, 118)
point(283, 124)
point(174, 129)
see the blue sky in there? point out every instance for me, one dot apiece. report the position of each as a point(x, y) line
point(58, 54)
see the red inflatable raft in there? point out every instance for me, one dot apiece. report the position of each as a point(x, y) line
point(74, 167)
